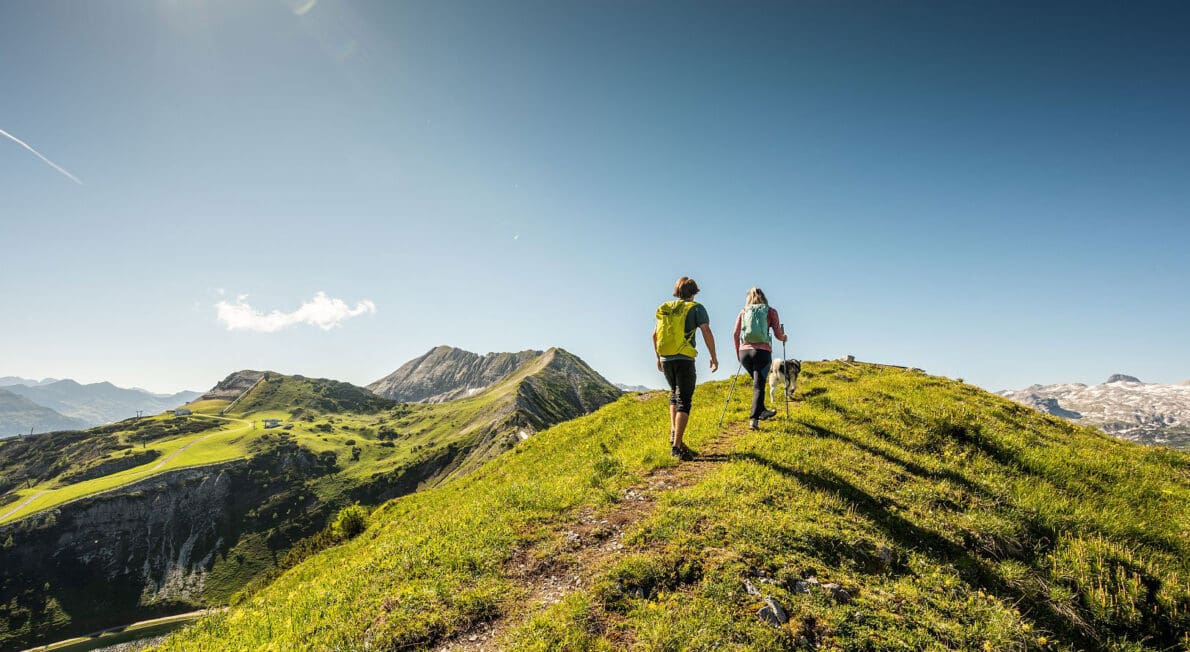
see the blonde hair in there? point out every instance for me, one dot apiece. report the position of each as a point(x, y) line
point(755, 296)
point(685, 288)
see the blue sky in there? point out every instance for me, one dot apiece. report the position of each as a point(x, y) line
point(994, 191)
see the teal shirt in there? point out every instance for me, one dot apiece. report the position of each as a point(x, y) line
point(695, 318)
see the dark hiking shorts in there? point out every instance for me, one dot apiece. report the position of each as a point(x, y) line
point(680, 376)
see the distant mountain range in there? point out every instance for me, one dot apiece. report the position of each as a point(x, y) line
point(19, 415)
point(1124, 407)
point(5, 381)
point(67, 404)
point(634, 388)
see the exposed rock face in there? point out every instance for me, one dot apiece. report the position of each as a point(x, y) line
point(544, 389)
point(564, 388)
point(151, 545)
point(1123, 407)
point(446, 373)
point(235, 384)
point(1122, 378)
point(1048, 405)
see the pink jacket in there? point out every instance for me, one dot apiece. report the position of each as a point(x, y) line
point(774, 323)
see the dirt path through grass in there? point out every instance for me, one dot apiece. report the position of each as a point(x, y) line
point(21, 505)
point(111, 636)
point(545, 577)
point(166, 460)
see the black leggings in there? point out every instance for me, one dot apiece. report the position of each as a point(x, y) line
point(681, 377)
point(757, 363)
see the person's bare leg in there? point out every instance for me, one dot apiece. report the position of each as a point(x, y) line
point(673, 422)
point(680, 427)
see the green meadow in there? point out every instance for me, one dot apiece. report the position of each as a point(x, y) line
point(943, 517)
point(225, 440)
point(369, 436)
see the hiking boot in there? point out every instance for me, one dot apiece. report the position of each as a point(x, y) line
point(767, 414)
point(675, 451)
point(686, 454)
point(754, 424)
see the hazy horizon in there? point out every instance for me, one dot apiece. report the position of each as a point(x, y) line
point(652, 385)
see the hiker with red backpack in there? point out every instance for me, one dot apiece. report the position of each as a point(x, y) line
point(754, 348)
point(673, 342)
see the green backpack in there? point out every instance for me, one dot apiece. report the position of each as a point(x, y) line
point(672, 338)
point(754, 324)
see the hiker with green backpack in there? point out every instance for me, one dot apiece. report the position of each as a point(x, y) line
point(754, 348)
point(673, 342)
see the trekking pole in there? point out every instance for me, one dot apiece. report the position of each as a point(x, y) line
point(784, 360)
point(731, 391)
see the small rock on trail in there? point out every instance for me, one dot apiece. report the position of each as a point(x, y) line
point(773, 613)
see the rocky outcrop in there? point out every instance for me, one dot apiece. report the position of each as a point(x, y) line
point(230, 388)
point(544, 389)
point(445, 373)
point(1122, 378)
point(564, 388)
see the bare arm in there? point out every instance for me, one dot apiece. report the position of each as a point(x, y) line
point(775, 324)
point(710, 340)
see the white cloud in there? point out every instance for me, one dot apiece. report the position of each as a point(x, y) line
point(321, 311)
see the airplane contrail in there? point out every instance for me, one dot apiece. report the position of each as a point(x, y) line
point(38, 155)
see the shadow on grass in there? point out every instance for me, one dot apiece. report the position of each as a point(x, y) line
point(908, 465)
point(974, 570)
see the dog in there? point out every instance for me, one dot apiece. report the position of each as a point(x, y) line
point(781, 372)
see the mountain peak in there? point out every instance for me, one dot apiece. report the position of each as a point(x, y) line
point(66, 382)
point(235, 384)
point(1122, 378)
point(269, 390)
point(444, 373)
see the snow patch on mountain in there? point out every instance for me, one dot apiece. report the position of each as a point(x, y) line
point(1124, 407)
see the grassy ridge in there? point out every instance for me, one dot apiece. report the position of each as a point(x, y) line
point(223, 440)
point(954, 519)
point(388, 437)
